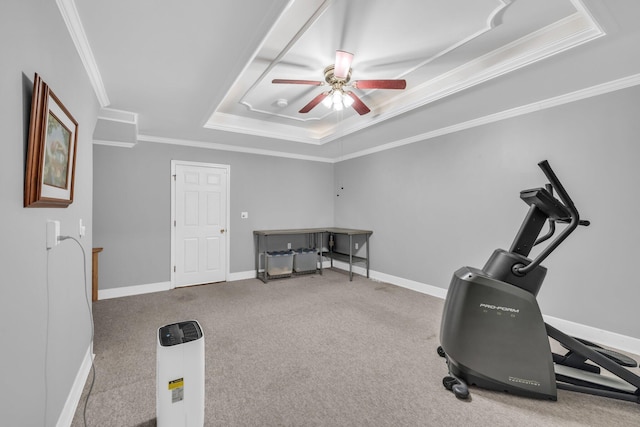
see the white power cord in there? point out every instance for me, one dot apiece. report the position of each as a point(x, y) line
point(86, 294)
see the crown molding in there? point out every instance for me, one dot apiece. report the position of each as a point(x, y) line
point(578, 95)
point(119, 144)
point(237, 124)
point(567, 98)
point(121, 116)
point(226, 147)
point(76, 31)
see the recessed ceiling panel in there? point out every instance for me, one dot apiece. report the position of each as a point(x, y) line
point(201, 73)
point(387, 43)
point(438, 47)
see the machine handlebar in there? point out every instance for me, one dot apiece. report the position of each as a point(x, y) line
point(559, 188)
point(573, 220)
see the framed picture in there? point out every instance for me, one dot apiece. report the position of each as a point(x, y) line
point(51, 152)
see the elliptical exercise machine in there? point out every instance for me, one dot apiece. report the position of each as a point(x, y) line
point(493, 335)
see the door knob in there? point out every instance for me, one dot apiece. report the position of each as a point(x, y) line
point(222, 230)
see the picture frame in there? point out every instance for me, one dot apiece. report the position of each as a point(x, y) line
point(51, 151)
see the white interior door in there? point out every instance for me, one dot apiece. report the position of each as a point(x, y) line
point(200, 224)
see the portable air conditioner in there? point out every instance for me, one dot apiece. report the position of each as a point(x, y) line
point(180, 375)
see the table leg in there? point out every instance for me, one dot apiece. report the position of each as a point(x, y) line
point(266, 260)
point(350, 258)
point(367, 240)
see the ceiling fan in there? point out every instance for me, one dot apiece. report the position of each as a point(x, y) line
point(338, 77)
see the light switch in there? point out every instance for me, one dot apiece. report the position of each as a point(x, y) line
point(244, 215)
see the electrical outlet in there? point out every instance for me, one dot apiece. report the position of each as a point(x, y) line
point(53, 233)
point(288, 245)
point(356, 246)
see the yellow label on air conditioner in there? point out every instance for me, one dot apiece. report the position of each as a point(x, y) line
point(176, 383)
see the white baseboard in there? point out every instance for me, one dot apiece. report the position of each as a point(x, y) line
point(242, 275)
point(410, 284)
point(70, 406)
point(251, 274)
point(394, 280)
point(126, 291)
point(600, 336)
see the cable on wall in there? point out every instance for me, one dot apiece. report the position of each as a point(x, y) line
point(46, 344)
point(86, 294)
point(339, 118)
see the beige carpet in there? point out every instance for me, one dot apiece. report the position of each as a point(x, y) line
point(309, 351)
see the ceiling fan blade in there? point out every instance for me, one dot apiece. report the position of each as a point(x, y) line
point(297, 82)
point(380, 84)
point(315, 101)
point(343, 64)
point(358, 105)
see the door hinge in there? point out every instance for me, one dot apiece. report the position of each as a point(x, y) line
point(174, 177)
point(174, 268)
point(174, 222)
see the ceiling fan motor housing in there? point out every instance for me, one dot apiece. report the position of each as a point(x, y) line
point(330, 77)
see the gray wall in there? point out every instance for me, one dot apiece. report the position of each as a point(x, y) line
point(132, 205)
point(450, 201)
point(42, 297)
point(433, 206)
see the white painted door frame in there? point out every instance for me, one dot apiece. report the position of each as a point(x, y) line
point(174, 164)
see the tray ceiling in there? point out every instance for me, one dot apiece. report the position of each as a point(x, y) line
point(199, 73)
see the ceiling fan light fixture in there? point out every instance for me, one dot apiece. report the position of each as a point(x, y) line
point(347, 100)
point(328, 101)
point(337, 100)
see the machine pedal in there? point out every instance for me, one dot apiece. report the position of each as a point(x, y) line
point(619, 358)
